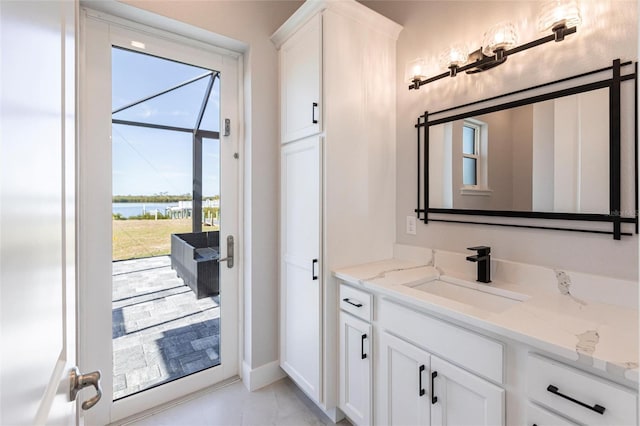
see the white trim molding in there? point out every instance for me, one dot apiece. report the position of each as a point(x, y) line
point(262, 376)
point(484, 192)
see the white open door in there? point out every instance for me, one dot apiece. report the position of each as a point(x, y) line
point(101, 34)
point(37, 212)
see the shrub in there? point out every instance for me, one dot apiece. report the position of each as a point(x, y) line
point(150, 216)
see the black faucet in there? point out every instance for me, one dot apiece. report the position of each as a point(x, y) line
point(484, 262)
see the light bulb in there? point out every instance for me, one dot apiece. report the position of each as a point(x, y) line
point(415, 70)
point(501, 36)
point(559, 13)
point(454, 56)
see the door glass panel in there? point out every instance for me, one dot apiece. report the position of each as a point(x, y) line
point(136, 75)
point(210, 184)
point(165, 298)
point(211, 118)
point(178, 108)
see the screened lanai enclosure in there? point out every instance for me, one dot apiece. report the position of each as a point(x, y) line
point(166, 216)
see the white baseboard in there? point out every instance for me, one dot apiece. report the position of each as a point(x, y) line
point(261, 376)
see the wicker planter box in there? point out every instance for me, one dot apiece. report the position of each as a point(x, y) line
point(194, 257)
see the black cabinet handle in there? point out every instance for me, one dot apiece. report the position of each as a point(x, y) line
point(597, 408)
point(420, 388)
point(314, 262)
point(364, 356)
point(434, 398)
point(314, 120)
point(357, 305)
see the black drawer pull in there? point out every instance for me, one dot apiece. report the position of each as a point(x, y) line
point(357, 305)
point(597, 408)
point(434, 398)
point(364, 356)
point(314, 262)
point(420, 388)
point(314, 120)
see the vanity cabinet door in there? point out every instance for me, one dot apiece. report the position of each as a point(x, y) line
point(464, 398)
point(301, 265)
point(404, 379)
point(355, 369)
point(537, 416)
point(300, 82)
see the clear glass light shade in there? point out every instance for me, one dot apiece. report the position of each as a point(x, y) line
point(415, 70)
point(455, 55)
point(556, 13)
point(500, 36)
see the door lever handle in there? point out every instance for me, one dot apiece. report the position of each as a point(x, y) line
point(229, 258)
point(80, 381)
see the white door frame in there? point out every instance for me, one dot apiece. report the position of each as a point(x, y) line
point(101, 29)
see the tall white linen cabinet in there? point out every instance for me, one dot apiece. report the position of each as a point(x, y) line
point(338, 174)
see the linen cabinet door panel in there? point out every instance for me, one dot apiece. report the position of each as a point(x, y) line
point(300, 287)
point(355, 369)
point(301, 82)
point(462, 398)
point(405, 380)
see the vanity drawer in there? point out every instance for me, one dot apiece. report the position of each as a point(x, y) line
point(467, 349)
point(538, 416)
point(552, 384)
point(356, 302)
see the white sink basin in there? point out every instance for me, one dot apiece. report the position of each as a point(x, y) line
point(483, 296)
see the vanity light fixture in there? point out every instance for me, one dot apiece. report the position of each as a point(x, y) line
point(500, 41)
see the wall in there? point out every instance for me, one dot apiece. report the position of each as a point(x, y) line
point(608, 31)
point(251, 22)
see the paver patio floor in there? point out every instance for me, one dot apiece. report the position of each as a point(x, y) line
point(161, 332)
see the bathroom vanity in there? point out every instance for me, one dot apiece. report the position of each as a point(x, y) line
point(421, 342)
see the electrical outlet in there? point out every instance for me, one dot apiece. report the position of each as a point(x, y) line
point(411, 225)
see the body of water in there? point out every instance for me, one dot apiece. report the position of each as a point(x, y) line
point(136, 209)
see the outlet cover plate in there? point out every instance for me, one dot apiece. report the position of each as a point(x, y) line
point(411, 225)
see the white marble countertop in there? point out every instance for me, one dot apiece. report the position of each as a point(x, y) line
point(596, 334)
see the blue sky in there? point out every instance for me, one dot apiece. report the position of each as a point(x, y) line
point(150, 161)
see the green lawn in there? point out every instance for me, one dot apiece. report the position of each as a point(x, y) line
point(146, 238)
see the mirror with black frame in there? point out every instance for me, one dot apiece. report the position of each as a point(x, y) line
point(568, 154)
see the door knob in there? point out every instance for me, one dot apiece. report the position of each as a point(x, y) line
point(80, 381)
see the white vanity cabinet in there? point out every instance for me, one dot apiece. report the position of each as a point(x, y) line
point(436, 373)
point(422, 389)
point(337, 85)
point(462, 398)
point(356, 354)
point(436, 365)
point(355, 369)
point(404, 383)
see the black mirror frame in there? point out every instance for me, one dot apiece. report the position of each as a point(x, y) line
point(614, 217)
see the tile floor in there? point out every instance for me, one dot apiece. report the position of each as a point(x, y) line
point(160, 330)
point(281, 403)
